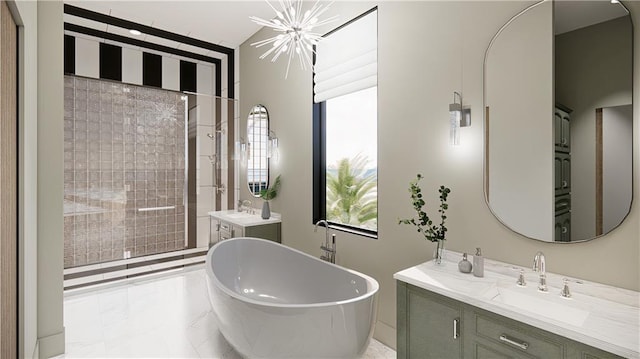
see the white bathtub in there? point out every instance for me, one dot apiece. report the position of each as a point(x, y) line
point(272, 301)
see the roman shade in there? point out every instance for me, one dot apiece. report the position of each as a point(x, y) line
point(347, 59)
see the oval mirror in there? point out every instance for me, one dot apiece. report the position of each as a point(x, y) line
point(257, 140)
point(558, 120)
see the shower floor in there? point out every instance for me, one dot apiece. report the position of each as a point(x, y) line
point(166, 317)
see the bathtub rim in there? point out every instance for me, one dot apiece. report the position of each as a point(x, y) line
point(372, 284)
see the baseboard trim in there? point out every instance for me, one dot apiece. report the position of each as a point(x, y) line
point(385, 334)
point(51, 345)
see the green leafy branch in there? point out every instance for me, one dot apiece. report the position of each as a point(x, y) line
point(422, 221)
point(271, 192)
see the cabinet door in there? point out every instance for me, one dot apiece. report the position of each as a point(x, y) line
point(214, 231)
point(265, 231)
point(566, 173)
point(561, 129)
point(562, 169)
point(431, 324)
point(557, 172)
point(566, 227)
point(557, 130)
point(563, 227)
point(566, 133)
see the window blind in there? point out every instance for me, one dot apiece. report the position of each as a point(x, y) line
point(347, 59)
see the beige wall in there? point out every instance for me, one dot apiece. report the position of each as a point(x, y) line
point(50, 176)
point(424, 50)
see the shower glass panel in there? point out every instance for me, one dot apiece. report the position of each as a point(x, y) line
point(125, 171)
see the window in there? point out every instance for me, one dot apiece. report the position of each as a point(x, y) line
point(345, 127)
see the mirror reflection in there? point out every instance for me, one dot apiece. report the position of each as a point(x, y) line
point(558, 120)
point(257, 142)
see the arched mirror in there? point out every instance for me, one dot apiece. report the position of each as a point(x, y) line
point(257, 141)
point(558, 120)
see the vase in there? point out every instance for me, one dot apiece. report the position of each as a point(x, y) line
point(438, 253)
point(266, 211)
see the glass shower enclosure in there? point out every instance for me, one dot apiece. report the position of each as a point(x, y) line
point(125, 171)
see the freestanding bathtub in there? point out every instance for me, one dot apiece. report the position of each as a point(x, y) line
point(272, 301)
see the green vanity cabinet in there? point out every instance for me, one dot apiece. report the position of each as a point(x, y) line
point(230, 224)
point(430, 325)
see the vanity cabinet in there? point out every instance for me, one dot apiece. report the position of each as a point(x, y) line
point(222, 227)
point(430, 325)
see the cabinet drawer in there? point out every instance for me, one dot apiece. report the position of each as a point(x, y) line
point(528, 343)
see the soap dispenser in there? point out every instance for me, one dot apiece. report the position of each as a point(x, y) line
point(478, 264)
point(464, 265)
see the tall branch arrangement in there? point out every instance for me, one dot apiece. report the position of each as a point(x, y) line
point(422, 221)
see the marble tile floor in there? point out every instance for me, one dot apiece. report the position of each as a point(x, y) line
point(165, 317)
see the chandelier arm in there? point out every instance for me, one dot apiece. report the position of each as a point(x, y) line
point(272, 7)
point(262, 22)
point(286, 5)
point(326, 21)
point(284, 47)
point(318, 10)
point(264, 42)
point(305, 53)
point(289, 62)
point(270, 51)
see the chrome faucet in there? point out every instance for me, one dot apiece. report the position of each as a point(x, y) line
point(329, 248)
point(539, 266)
point(248, 207)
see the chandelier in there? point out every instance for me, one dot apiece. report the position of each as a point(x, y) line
point(295, 27)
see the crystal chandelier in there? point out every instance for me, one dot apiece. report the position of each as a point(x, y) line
point(294, 26)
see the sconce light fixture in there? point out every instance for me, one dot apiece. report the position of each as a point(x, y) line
point(241, 152)
point(272, 147)
point(458, 117)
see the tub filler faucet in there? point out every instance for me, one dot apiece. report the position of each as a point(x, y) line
point(329, 247)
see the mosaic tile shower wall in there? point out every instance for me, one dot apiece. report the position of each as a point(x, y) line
point(124, 171)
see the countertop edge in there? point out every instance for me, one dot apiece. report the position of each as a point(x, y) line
point(257, 221)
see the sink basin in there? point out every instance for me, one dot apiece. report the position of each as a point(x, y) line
point(549, 304)
point(239, 215)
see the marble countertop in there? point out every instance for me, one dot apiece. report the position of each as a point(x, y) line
point(598, 315)
point(244, 219)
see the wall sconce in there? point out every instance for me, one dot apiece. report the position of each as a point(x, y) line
point(272, 147)
point(241, 152)
point(458, 117)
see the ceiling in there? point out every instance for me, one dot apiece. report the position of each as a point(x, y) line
point(223, 23)
point(227, 23)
